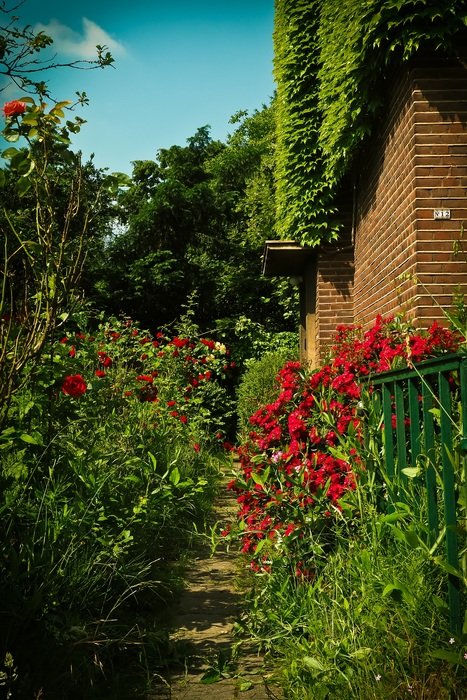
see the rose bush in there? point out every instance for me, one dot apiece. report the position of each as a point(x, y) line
point(294, 470)
point(110, 461)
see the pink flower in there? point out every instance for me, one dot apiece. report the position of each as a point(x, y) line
point(13, 108)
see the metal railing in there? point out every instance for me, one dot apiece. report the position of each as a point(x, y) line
point(424, 413)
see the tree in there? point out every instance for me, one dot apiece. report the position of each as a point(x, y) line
point(21, 60)
point(195, 221)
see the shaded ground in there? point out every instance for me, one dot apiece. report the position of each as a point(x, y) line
point(202, 635)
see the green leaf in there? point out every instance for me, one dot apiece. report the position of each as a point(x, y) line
point(2, 178)
point(412, 539)
point(174, 476)
point(312, 662)
point(11, 136)
point(448, 568)
point(451, 656)
point(411, 472)
point(257, 478)
point(246, 685)
point(23, 186)
point(397, 591)
point(153, 460)
point(30, 439)
point(361, 653)
point(211, 676)
point(393, 517)
point(10, 152)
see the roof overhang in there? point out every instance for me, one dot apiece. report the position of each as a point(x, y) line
point(286, 258)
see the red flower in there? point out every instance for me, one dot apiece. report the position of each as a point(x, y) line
point(72, 352)
point(144, 378)
point(104, 359)
point(196, 447)
point(74, 385)
point(208, 343)
point(179, 342)
point(183, 419)
point(99, 373)
point(13, 108)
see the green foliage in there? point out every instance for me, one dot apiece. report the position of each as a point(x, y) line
point(351, 595)
point(304, 193)
point(332, 62)
point(368, 626)
point(368, 618)
point(258, 386)
point(108, 464)
point(194, 223)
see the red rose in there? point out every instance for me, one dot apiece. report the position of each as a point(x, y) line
point(13, 108)
point(145, 378)
point(99, 373)
point(74, 385)
point(104, 359)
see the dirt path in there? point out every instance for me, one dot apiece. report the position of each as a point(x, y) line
point(203, 625)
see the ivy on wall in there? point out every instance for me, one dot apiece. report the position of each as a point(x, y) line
point(332, 59)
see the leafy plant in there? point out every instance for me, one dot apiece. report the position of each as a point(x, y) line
point(346, 593)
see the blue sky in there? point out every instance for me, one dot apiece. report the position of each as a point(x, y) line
point(179, 65)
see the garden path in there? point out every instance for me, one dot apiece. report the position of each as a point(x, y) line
point(203, 630)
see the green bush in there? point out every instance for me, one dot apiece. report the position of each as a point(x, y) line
point(258, 386)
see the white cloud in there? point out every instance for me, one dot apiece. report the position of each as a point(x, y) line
point(80, 45)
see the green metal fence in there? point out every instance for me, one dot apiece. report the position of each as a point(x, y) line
point(424, 412)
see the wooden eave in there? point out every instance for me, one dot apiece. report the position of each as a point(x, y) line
point(285, 258)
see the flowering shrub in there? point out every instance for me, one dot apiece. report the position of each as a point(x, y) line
point(294, 470)
point(184, 379)
point(109, 459)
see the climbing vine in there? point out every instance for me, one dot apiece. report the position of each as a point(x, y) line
point(332, 61)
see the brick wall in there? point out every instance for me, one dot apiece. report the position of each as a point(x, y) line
point(334, 291)
point(403, 257)
point(440, 134)
point(394, 256)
